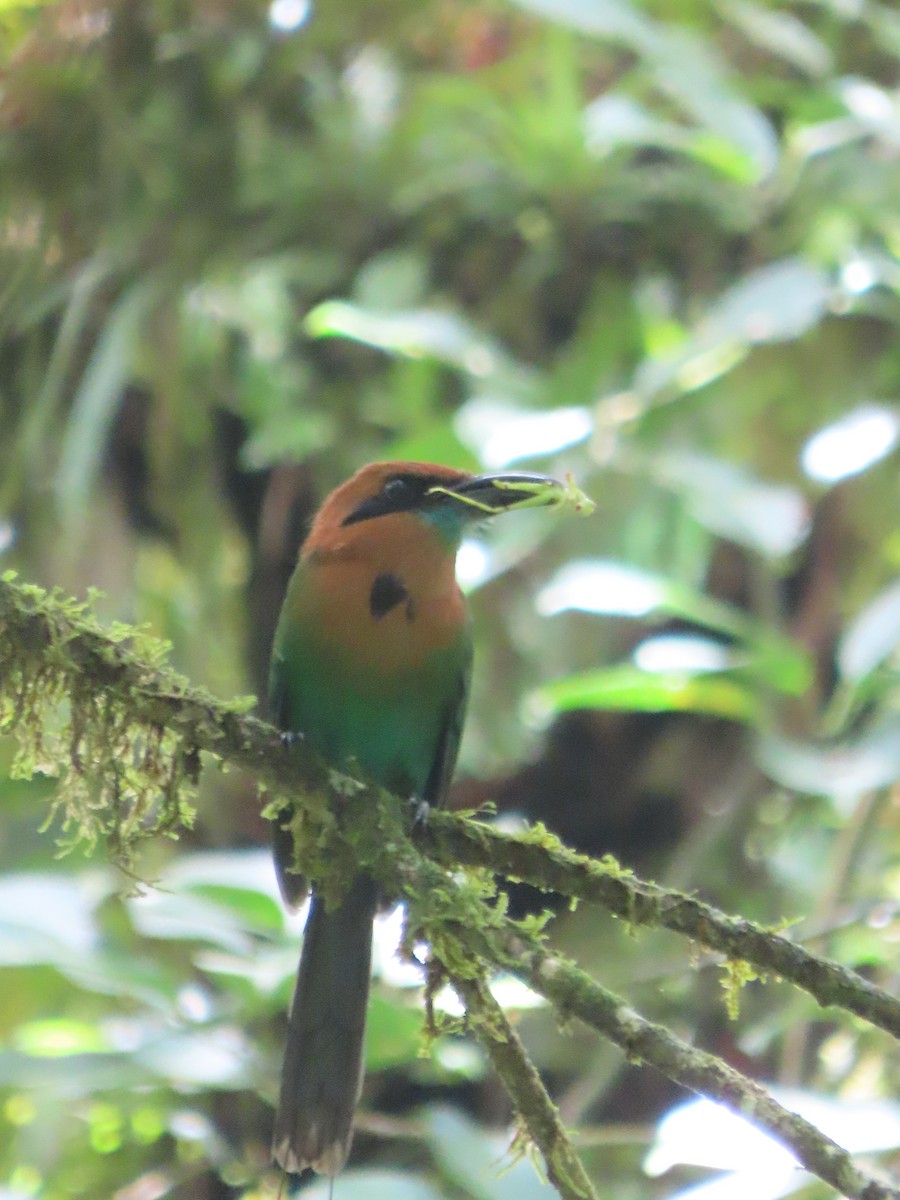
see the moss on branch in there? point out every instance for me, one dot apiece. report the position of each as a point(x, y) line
point(539, 1116)
point(125, 734)
point(542, 860)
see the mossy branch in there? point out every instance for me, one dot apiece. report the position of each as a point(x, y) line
point(572, 991)
point(125, 734)
point(100, 709)
point(539, 1116)
point(541, 859)
point(466, 933)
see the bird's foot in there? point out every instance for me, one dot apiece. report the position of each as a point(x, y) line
point(421, 809)
point(290, 738)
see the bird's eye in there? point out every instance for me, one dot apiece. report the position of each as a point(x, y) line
point(396, 490)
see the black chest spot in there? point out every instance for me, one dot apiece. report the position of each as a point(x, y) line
point(388, 590)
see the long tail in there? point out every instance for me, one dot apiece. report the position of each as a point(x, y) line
point(323, 1060)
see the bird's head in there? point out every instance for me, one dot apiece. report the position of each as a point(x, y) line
point(384, 499)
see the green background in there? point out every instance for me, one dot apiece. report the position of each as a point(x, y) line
point(244, 250)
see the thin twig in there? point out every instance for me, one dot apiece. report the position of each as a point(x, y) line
point(539, 1115)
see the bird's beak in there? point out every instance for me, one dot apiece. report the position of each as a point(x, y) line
point(497, 493)
point(488, 495)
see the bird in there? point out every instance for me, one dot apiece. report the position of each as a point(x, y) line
point(370, 666)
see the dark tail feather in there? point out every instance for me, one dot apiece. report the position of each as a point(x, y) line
point(323, 1060)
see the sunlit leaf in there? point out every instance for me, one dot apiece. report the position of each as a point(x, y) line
point(9, 6)
point(842, 772)
point(683, 652)
point(857, 440)
point(57, 1038)
point(703, 1132)
point(215, 1058)
point(418, 333)
point(215, 898)
point(612, 121)
point(775, 303)
point(770, 518)
point(501, 434)
point(45, 919)
point(633, 690)
point(872, 637)
point(601, 586)
point(618, 589)
point(256, 975)
point(249, 870)
point(696, 80)
point(604, 18)
point(781, 33)
point(187, 917)
point(257, 911)
point(71, 1076)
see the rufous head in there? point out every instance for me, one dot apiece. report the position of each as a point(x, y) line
point(425, 495)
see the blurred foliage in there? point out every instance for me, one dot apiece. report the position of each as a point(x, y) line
point(245, 248)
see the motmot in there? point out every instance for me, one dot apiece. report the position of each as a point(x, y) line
point(370, 665)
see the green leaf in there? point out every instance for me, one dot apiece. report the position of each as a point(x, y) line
point(182, 916)
point(71, 1077)
point(775, 303)
point(59, 1038)
point(420, 333)
point(395, 279)
point(618, 589)
point(858, 439)
point(212, 1058)
point(630, 689)
point(614, 19)
point(687, 69)
point(393, 1033)
point(684, 67)
point(502, 434)
point(258, 912)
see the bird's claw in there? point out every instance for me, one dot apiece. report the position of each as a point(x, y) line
point(420, 808)
point(290, 737)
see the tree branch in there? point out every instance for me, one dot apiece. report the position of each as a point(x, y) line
point(540, 859)
point(572, 991)
point(537, 1112)
point(443, 910)
point(125, 707)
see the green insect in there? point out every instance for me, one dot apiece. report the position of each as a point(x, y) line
point(536, 493)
